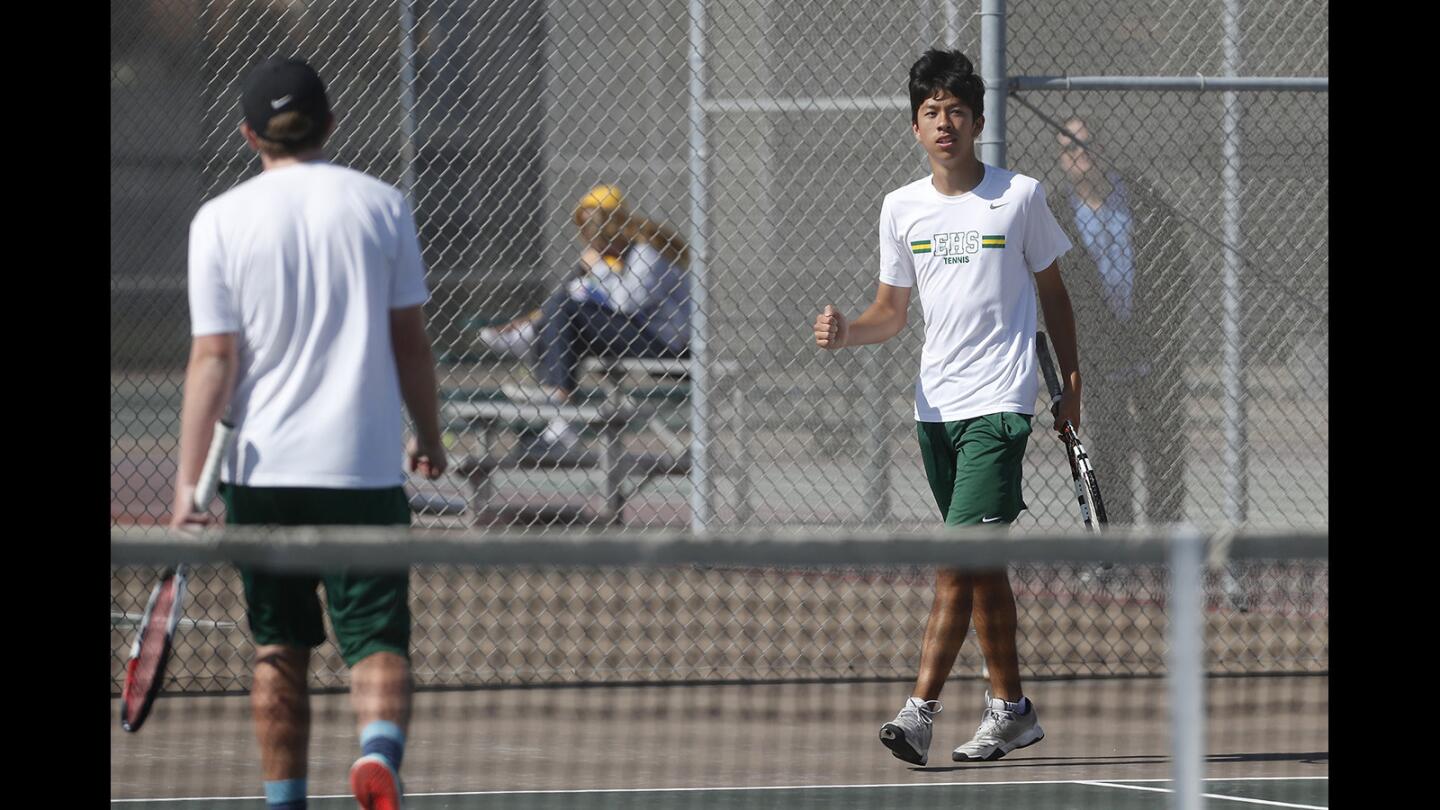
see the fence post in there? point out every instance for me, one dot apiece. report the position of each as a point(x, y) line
point(407, 101)
point(992, 72)
point(877, 390)
point(1234, 369)
point(699, 349)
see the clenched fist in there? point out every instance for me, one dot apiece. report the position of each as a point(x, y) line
point(830, 328)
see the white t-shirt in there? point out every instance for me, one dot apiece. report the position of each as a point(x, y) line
point(972, 257)
point(304, 264)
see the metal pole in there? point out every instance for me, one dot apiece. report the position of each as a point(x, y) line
point(877, 473)
point(1197, 84)
point(1233, 369)
point(992, 72)
point(407, 100)
point(700, 483)
point(1186, 662)
point(743, 510)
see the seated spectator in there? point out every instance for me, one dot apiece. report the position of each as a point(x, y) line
point(630, 298)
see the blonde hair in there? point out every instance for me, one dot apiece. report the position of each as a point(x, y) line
point(633, 227)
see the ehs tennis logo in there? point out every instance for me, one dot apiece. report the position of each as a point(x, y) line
point(957, 247)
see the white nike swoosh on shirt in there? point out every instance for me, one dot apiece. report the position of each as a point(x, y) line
point(991, 519)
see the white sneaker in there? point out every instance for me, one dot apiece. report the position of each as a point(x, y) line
point(560, 433)
point(516, 341)
point(908, 735)
point(1001, 731)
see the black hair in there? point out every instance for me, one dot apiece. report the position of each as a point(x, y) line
point(938, 70)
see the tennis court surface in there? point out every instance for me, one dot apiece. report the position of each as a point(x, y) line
point(709, 684)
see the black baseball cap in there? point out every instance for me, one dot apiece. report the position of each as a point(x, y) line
point(279, 86)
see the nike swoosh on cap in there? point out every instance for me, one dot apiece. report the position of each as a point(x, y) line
point(276, 104)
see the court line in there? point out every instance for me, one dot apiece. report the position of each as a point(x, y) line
point(1241, 799)
point(1094, 782)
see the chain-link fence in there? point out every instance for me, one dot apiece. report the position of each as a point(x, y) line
point(763, 135)
point(764, 154)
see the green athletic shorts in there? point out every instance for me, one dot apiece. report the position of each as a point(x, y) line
point(974, 466)
point(370, 612)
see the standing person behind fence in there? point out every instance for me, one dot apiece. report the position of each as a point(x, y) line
point(978, 241)
point(630, 298)
point(1132, 281)
point(307, 296)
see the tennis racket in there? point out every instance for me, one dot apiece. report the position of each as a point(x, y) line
point(145, 671)
point(1087, 488)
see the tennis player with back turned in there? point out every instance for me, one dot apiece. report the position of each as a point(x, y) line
point(307, 295)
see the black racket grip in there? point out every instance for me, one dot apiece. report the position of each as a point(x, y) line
point(1047, 367)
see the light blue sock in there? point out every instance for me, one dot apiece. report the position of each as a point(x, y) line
point(287, 794)
point(386, 739)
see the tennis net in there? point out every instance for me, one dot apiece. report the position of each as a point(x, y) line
point(622, 669)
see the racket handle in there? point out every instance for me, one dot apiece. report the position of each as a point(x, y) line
point(1047, 366)
point(210, 473)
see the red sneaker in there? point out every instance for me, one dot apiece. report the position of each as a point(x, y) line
point(375, 784)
